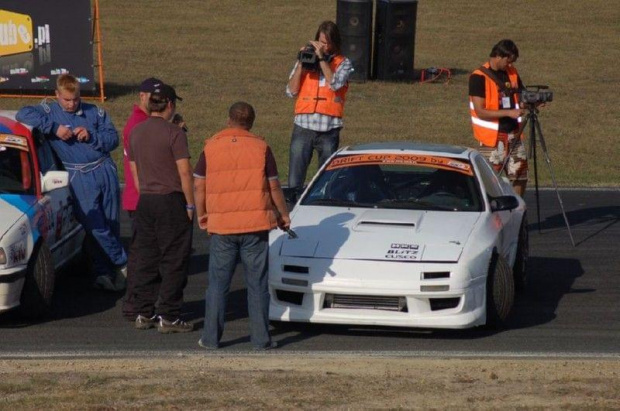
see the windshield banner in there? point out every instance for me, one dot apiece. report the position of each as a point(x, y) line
point(401, 159)
point(8, 140)
point(42, 39)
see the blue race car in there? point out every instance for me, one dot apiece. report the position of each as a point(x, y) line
point(38, 230)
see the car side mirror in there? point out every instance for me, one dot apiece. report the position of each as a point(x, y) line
point(53, 180)
point(504, 203)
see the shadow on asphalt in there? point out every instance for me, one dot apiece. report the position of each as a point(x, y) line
point(74, 297)
point(603, 218)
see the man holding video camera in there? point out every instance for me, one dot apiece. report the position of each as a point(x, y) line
point(496, 114)
point(319, 82)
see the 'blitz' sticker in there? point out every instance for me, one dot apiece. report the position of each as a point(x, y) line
point(402, 252)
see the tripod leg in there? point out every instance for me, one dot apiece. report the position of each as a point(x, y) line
point(548, 161)
point(533, 156)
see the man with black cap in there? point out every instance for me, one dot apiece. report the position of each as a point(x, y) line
point(139, 113)
point(159, 160)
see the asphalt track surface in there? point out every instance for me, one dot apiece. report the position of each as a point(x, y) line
point(570, 309)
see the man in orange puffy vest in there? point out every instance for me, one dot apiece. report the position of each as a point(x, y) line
point(320, 93)
point(238, 201)
point(496, 114)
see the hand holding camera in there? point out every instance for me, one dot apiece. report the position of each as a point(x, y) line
point(311, 55)
point(179, 121)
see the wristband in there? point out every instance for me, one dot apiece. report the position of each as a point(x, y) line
point(190, 207)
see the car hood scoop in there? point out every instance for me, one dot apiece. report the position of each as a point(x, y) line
point(379, 234)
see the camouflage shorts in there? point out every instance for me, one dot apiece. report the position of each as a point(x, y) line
point(516, 167)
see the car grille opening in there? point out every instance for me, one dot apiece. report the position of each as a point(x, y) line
point(433, 275)
point(290, 297)
point(295, 269)
point(444, 303)
point(366, 302)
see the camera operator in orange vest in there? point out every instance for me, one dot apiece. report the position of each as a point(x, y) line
point(238, 201)
point(496, 113)
point(320, 88)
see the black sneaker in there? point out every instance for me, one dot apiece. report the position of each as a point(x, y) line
point(176, 326)
point(144, 323)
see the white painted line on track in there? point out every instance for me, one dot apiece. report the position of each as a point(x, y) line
point(307, 354)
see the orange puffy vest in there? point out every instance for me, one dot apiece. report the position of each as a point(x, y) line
point(316, 98)
point(238, 198)
point(486, 131)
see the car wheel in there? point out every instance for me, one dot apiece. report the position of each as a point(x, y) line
point(523, 253)
point(500, 292)
point(38, 289)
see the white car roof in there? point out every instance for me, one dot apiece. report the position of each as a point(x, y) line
point(409, 147)
point(10, 114)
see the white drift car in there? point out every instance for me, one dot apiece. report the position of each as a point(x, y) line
point(401, 234)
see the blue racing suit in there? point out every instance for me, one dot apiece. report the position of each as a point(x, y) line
point(92, 173)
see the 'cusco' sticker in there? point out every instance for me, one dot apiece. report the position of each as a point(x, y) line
point(402, 159)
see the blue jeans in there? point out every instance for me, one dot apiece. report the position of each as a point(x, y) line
point(224, 249)
point(303, 142)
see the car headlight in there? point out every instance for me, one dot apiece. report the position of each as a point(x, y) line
point(2, 256)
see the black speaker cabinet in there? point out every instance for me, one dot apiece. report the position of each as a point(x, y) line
point(354, 20)
point(395, 40)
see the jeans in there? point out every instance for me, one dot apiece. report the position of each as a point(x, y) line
point(224, 250)
point(303, 142)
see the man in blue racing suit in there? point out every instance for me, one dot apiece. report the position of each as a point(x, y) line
point(83, 136)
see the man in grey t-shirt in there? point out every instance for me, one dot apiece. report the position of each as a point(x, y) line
point(159, 159)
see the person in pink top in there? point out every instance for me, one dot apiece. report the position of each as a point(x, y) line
point(139, 114)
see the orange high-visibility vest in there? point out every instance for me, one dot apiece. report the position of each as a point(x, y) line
point(486, 131)
point(238, 198)
point(316, 98)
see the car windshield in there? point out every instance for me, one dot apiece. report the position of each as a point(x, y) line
point(397, 182)
point(15, 170)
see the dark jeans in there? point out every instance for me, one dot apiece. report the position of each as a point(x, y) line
point(163, 245)
point(224, 250)
point(303, 142)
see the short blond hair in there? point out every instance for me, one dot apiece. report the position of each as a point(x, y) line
point(67, 82)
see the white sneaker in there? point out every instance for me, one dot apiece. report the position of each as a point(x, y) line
point(103, 282)
point(120, 282)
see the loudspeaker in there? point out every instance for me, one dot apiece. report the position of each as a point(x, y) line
point(354, 20)
point(395, 40)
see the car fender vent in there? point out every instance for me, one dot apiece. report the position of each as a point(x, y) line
point(438, 304)
point(386, 223)
point(291, 297)
point(298, 269)
point(433, 275)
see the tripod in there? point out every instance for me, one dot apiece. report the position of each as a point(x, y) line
point(535, 130)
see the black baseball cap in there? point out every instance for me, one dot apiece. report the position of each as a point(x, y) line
point(150, 84)
point(166, 92)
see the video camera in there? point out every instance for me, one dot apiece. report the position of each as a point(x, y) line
point(534, 95)
point(308, 58)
